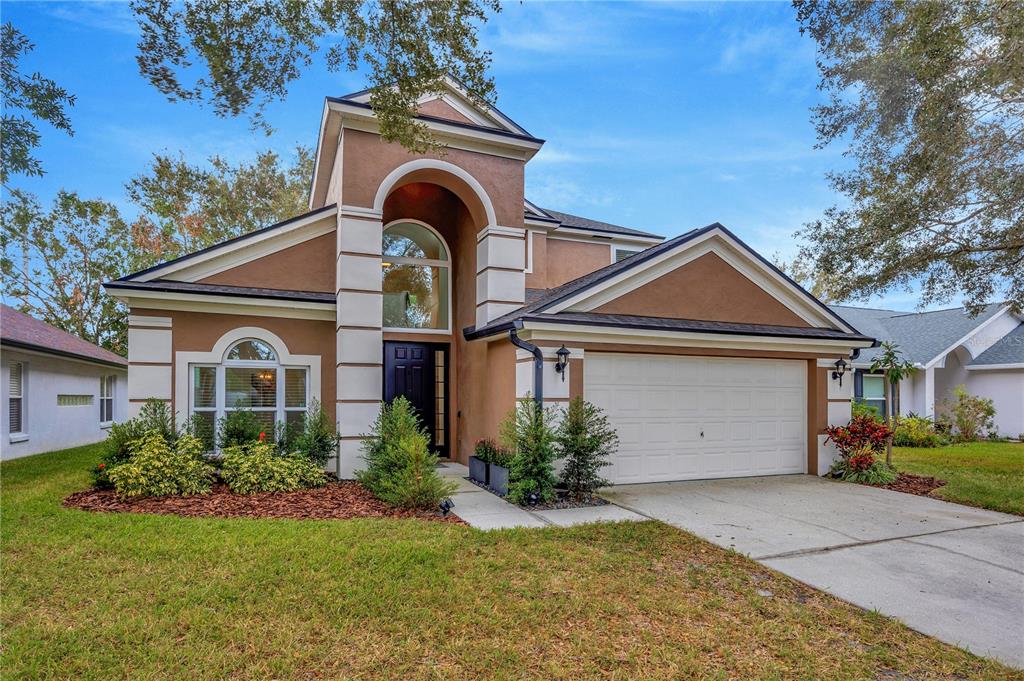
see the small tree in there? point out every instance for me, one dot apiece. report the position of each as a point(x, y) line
point(895, 369)
point(528, 433)
point(968, 415)
point(586, 440)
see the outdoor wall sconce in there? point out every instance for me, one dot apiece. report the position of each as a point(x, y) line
point(840, 370)
point(562, 361)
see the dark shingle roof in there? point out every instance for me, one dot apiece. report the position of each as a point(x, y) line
point(1007, 350)
point(17, 329)
point(569, 220)
point(922, 336)
point(170, 286)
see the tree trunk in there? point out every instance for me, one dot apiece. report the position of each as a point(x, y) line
point(888, 421)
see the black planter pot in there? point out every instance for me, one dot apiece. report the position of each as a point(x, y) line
point(478, 470)
point(499, 479)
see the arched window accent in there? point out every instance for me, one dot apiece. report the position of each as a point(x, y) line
point(415, 277)
point(249, 377)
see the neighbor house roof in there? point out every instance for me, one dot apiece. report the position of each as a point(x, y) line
point(539, 301)
point(18, 330)
point(1007, 350)
point(577, 222)
point(921, 336)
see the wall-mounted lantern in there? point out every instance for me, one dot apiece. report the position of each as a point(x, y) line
point(837, 375)
point(562, 361)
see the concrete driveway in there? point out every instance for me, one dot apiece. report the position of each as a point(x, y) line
point(950, 571)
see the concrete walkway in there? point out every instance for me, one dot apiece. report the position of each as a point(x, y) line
point(950, 571)
point(486, 511)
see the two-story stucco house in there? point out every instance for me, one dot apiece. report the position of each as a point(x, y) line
point(434, 278)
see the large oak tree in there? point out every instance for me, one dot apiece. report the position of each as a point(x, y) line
point(928, 98)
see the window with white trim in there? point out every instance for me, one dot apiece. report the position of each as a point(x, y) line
point(415, 277)
point(16, 398)
point(249, 377)
point(873, 392)
point(107, 399)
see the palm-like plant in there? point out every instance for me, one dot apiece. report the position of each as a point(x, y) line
point(895, 368)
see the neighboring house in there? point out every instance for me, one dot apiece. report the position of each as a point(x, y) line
point(950, 348)
point(434, 278)
point(59, 391)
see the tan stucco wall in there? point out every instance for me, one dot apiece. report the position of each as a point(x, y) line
point(441, 109)
point(566, 260)
point(308, 266)
point(368, 160)
point(198, 331)
point(709, 289)
point(538, 278)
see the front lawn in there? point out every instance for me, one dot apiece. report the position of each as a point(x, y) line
point(985, 474)
point(89, 595)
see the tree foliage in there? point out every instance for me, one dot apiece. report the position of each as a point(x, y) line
point(895, 368)
point(185, 206)
point(26, 99)
point(802, 271)
point(929, 97)
point(586, 440)
point(238, 57)
point(55, 262)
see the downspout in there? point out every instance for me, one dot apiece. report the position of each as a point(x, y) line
point(538, 365)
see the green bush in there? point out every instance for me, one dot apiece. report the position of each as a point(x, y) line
point(400, 469)
point(158, 469)
point(916, 431)
point(316, 439)
point(155, 416)
point(586, 441)
point(528, 433)
point(485, 450)
point(240, 427)
point(862, 408)
point(967, 416)
point(256, 467)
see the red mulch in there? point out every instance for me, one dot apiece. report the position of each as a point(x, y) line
point(914, 484)
point(334, 501)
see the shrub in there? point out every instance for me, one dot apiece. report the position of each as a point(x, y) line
point(256, 467)
point(400, 469)
point(158, 469)
point(585, 439)
point(527, 430)
point(485, 450)
point(316, 439)
point(860, 432)
point(239, 427)
point(968, 416)
point(155, 416)
point(862, 408)
point(916, 431)
point(862, 466)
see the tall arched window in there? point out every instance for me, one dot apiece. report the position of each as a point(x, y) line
point(415, 277)
point(250, 376)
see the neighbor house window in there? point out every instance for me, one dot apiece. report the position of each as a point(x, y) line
point(873, 392)
point(251, 378)
point(415, 278)
point(623, 253)
point(16, 398)
point(107, 399)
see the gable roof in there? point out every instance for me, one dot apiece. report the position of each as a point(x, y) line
point(577, 222)
point(19, 330)
point(1007, 350)
point(543, 302)
point(922, 336)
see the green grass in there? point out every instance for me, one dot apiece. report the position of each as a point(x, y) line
point(131, 596)
point(985, 474)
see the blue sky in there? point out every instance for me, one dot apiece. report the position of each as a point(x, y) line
point(657, 116)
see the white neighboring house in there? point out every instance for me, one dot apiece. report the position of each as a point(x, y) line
point(950, 348)
point(59, 391)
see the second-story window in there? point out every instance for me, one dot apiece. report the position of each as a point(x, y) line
point(415, 278)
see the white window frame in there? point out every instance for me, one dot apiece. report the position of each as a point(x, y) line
point(221, 408)
point(108, 384)
point(879, 402)
point(21, 434)
point(423, 262)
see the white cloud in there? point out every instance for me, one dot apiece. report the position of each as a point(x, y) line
point(115, 17)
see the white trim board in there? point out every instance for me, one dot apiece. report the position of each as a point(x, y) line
point(940, 359)
point(714, 241)
point(190, 302)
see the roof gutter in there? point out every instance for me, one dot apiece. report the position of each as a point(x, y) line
point(44, 350)
point(538, 364)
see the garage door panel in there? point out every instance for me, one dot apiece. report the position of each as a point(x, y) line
point(752, 413)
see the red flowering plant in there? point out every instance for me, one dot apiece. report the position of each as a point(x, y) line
point(858, 443)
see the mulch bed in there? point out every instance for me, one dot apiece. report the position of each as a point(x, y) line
point(914, 484)
point(335, 501)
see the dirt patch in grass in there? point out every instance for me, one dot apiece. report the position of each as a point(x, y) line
point(909, 483)
point(334, 501)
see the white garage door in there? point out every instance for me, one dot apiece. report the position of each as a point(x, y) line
point(690, 418)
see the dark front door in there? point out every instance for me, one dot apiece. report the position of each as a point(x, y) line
point(411, 371)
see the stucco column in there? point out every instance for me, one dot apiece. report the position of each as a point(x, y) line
point(929, 392)
point(359, 314)
point(500, 272)
point(837, 402)
point(150, 365)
